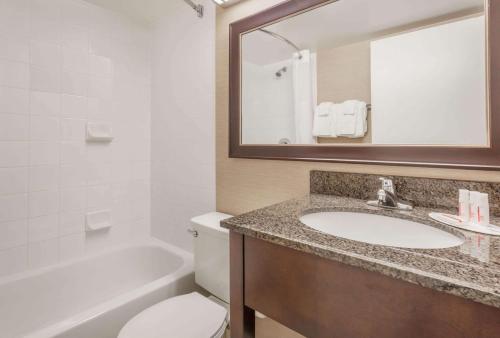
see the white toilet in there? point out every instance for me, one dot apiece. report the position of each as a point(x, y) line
point(193, 315)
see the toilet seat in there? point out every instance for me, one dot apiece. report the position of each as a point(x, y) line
point(187, 316)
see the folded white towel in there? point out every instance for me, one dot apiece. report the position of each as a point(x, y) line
point(352, 119)
point(361, 118)
point(346, 119)
point(335, 120)
point(322, 125)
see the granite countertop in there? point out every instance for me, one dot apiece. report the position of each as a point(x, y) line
point(471, 270)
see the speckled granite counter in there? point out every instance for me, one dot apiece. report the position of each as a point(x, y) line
point(471, 270)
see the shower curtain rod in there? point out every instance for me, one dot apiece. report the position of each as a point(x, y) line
point(198, 8)
point(282, 38)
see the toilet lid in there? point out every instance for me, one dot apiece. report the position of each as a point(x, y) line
point(187, 316)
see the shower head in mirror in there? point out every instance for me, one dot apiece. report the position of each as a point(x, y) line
point(280, 72)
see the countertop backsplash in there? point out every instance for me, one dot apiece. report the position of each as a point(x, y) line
point(423, 192)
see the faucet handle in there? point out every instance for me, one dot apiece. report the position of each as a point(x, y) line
point(381, 196)
point(387, 184)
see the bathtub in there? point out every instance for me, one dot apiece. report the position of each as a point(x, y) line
point(95, 296)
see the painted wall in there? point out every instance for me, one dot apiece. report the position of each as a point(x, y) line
point(445, 101)
point(344, 74)
point(183, 110)
point(243, 185)
point(63, 64)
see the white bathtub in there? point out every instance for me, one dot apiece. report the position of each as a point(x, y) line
point(95, 296)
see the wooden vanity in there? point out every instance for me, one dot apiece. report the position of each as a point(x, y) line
point(324, 285)
point(318, 297)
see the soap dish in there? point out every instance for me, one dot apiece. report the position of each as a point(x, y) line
point(456, 222)
point(99, 132)
point(98, 220)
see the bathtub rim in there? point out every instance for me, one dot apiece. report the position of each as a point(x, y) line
point(149, 242)
point(186, 268)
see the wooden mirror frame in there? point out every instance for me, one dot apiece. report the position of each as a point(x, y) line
point(433, 156)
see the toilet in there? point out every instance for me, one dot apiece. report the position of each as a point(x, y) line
point(193, 315)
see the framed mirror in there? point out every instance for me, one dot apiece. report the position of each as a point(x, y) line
point(368, 81)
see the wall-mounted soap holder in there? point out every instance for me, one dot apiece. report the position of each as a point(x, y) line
point(99, 132)
point(98, 220)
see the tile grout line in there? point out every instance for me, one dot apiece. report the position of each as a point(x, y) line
point(30, 102)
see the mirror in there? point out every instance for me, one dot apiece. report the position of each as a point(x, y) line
point(368, 73)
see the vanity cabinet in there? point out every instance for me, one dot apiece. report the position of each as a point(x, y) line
point(319, 297)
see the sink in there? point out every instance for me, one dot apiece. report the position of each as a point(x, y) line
point(381, 230)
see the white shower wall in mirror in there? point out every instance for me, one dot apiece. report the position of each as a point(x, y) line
point(445, 104)
point(268, 117)
point(275, 89)
point(363, 72)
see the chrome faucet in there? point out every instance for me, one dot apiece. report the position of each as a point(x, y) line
point(387, 198)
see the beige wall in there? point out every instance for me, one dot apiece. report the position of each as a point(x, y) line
point(243, 185)
point(344, 74)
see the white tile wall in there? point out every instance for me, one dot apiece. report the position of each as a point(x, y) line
point(14, 100)
point(64, 63)
point(13, 180)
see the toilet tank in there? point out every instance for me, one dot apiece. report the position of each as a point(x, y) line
point(211, 254)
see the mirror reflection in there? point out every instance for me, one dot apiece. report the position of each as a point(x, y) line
point(385, 72)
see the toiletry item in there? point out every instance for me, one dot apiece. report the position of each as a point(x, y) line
point(474, 207)
point(456, 222)
point(484, 210)
point(452, 218)
point(463, 205)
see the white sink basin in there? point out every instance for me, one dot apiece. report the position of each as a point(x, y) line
point(381, 230)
